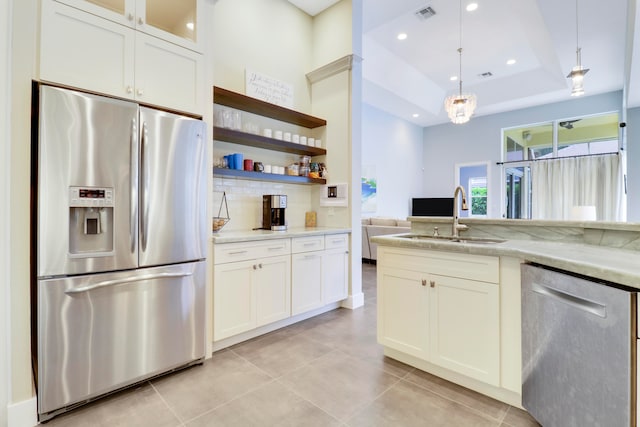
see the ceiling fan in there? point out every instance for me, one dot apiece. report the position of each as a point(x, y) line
point(568, 124)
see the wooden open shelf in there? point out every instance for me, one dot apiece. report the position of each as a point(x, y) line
point(258, 141)
point(261, 176)
point(253, 105)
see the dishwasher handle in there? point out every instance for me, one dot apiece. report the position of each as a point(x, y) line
point(598, 309)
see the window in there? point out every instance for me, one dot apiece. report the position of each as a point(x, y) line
point(566, 138)
point(478, 187)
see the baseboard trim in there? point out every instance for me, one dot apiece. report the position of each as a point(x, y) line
point(236, 339)
point(354, 301)
point(23, 414)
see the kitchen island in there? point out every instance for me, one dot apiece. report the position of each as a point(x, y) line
point(453, 308)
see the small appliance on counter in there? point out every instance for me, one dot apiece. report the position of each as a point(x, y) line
point(273, 207)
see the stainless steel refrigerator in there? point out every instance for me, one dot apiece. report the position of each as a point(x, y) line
point(120, 241)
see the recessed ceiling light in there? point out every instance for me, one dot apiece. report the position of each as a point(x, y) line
point(402, 36)
point(453, 78)
point(471, 7)
point(190, 26)
point(511, 61)
point(415, 115)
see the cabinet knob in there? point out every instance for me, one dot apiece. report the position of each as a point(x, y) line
point(432, 283)
point(130, 16)
point(129, 89)
point(260, 265)
point(139, 92)
point(424, 282)
point(255, 267)
point(140, 21)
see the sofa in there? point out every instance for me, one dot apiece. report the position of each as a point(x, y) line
point(377, 227)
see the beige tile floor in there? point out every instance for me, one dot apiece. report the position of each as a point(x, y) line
point(325, 371)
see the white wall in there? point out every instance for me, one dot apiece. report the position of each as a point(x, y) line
point(633, 165)
point(5, 168)
point(263, 42)
point(23, 48)
point(479, 140)
point(272, 37)
point(394, 147)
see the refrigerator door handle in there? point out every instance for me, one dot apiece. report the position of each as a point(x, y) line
point(144, 217)
point(133, 143)
point(107, 283)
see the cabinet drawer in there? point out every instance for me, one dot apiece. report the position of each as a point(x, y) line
point(307, 244)
point(241, 251)
point(452, 264)
point(336, 241)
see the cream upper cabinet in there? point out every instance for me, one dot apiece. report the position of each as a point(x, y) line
point(83, 50)
point(174, 21)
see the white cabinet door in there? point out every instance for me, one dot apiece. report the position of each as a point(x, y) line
point(306, 282)
point(272, 282)
point(465, 327)
point(82, 50)
point(234, 299)
point(403, 311)
point(335, 275)
point(168, 75)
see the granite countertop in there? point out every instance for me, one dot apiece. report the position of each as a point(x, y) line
point(616, 265)
point(250, 235)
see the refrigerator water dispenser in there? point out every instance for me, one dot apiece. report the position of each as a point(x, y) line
point(90, 221)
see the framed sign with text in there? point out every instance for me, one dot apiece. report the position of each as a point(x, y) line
point(269, 89)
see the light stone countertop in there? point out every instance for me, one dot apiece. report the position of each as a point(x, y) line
point(251, 235)
point(600, 262)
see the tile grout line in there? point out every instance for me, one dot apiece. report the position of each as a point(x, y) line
point(477, 411)
point(307, 400)
point(364, 405)
point(175, 414)
point(251, 390)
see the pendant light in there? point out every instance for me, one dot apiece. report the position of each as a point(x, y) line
point(460, 107)
point(577, 73)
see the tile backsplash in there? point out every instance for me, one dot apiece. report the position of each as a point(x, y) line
point(244, 198)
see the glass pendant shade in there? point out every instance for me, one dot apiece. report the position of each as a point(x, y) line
point(460, 107)
point(577, 76)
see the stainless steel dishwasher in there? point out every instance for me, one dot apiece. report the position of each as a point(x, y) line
point(578, 350)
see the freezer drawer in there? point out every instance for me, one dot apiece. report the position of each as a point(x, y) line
point(98, 333)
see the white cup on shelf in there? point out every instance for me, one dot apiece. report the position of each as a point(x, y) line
point(303, 140)
point(278, 134)
point(318, 143)
point(267, 168)
point(295, 138)
point(311, 142)
point(267, 132)
point(287, 136)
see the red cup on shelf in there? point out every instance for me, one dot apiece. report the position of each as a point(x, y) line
point(248, 165)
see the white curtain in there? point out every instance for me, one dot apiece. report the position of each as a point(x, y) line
point(560, 184)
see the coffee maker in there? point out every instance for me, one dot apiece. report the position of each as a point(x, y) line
point(273, 206)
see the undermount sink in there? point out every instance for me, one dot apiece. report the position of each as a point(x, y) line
point(472, 240)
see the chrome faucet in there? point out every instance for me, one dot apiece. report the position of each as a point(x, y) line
point(456, 228)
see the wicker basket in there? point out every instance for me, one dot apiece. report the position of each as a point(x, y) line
point(220, 221)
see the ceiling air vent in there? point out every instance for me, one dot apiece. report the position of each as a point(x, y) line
point(485, 74)
point(425, 13)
